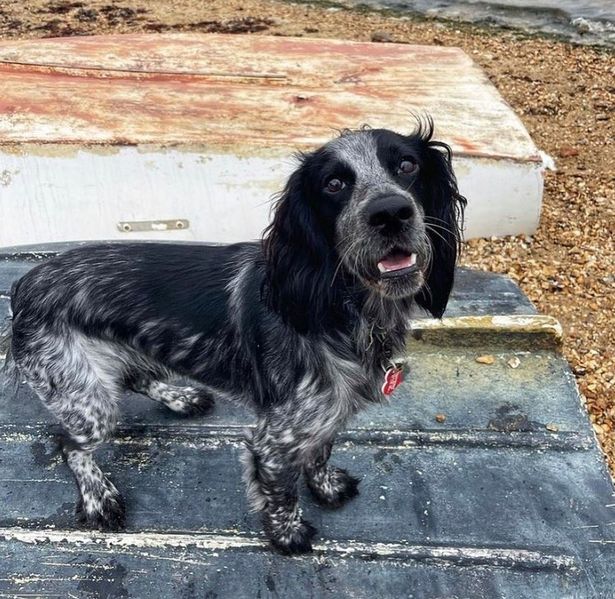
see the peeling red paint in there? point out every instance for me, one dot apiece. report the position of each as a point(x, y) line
point(261, 92)
point(466, 145)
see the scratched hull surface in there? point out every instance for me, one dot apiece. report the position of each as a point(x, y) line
point(126, 136)
point(507, 497)
point(242, 92)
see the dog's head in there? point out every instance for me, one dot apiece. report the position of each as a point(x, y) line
point(371, 208)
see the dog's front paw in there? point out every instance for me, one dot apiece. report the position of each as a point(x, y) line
point(196, 402)
point(104, 511)
point(335, 488)
point(293, 539)
point(190, 401)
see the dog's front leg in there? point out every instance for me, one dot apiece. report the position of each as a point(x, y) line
point(272, 466)
point(330, 486)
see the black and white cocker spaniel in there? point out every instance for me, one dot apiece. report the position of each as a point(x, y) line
point(303, 326)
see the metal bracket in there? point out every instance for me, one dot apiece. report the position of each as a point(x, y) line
point(136, 226)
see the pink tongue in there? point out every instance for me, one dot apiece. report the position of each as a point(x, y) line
point(396, 262)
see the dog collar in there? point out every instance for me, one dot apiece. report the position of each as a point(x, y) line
point(393, 377)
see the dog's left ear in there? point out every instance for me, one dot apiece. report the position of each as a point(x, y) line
point(299, 259)
point(444, 207)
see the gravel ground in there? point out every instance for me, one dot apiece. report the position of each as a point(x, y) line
point(564, 94)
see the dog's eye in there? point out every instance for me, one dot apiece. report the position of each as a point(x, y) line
point(334, 185)
point(406, 166)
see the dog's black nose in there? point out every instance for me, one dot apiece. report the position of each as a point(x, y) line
point(389, 214)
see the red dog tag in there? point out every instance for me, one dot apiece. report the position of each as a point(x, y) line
point(393, 378)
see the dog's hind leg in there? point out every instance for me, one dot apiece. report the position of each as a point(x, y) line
point(189, 401)
point(76, 379)
point(331, 487)
point(88, 419)
point(89, 416)
point(100, 504)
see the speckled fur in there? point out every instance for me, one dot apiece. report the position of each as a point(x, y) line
point(293, 326)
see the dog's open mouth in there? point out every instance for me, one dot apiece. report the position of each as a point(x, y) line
point(396, 264)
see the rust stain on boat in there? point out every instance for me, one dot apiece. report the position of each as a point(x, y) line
point(262, 93)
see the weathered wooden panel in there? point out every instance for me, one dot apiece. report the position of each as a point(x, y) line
point(507, 496)
point(56, 565)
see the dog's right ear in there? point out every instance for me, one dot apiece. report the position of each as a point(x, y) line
point(444, 210)
point(299, 258)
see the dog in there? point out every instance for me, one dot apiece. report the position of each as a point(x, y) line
point(302, 326)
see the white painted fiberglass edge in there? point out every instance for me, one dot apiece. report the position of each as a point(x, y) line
point(226, 198)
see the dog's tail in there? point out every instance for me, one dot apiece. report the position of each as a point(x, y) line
point(9, 368)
